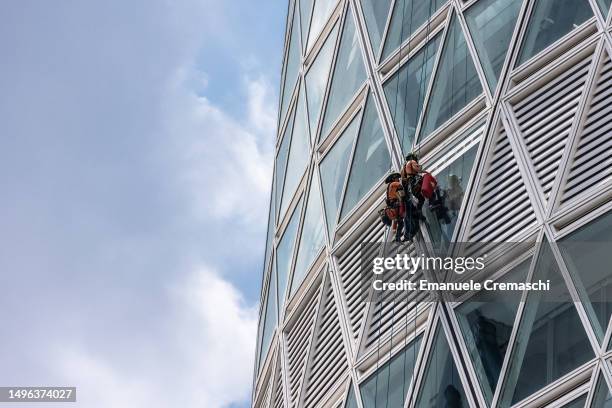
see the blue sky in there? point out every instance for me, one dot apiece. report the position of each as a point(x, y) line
point(136, 144)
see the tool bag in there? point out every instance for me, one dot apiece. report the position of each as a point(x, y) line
point(429, 185)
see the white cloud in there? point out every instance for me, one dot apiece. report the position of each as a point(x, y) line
point(208, 363)
point(227, 163)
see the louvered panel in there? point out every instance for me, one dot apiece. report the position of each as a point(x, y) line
point(298, 341)
point(327, 359)
point(390, 309)
point(349, 263)
point(591, 164)
point(278, 401)
point(267, 397)
point(502, 207)
point(545, 117)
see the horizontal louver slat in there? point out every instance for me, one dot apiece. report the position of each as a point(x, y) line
point(591, 164)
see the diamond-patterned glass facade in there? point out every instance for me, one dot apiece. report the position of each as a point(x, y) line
point(507, 104)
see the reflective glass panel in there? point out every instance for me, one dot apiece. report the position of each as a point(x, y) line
point(551, 20)
point(587, 255)
point(305, 9)
point(491, 23)
point(551, 340)
point(405, 92)
point(407, 17)
point(298, 154)
point(441, 386)
point(604, 5)
point(577, 403)
point(281, 162)
point(442, 213)
point(349, 74)
point(270, 319)
point(316, 80)
point(388, 386)
point(456, 82)
point(320, 14)
point(351, 401)
point(602, 397)
point(371, 160)
point(376, 13)
point(291, 66)
point(270, 230)
point(312, 236)
point(486, 321)
point(333, 172)
point(284, 252)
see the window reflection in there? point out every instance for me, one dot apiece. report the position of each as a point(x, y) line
point(456, 82)
point(551, 340)
point(270, 318)
point(443, 211)
point(312, 236)
point(441, 386)
point(316, 80)
point(486, 321)
point(284, 253)
point(389, 385)
point(587, 255)
point(405, 92)
point(376, 13)
point(602, 397)
point(333, 173)
point(371, 159)
point(349, 74)
point(491, 23)
point(551, 20)
point(407, 17)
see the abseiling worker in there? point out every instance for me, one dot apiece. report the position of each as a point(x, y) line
point(412, 181)
point(395, 201)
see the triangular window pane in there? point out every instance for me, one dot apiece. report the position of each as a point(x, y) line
point(407, 17)
point(456, 82)
point(551, 20)
point(491, 23)
point(371, 160)
point(604, 5)
point(551, 340)
point(388, 386)
point(298, 154)
point(452, 181)
point(376, 13)
point(349, 74)
point(486, 321)
point(320, 14)
point(588, 257)
point(333, 172)
point(602, 397)
point(305, 9)
point(270, 231)
point(316, 80)
point(270, 319)
point(312, 237)
point(577, 403)
point(351, 401)
point(284, 252)
point(291, 65)
point(405, 98)
point(441, 385)
point(281, 162)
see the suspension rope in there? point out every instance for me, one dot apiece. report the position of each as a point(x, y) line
point(423, 69)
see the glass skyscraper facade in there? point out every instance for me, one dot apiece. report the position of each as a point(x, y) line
point(508, 103)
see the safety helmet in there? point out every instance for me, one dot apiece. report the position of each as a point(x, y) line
point(392, 177)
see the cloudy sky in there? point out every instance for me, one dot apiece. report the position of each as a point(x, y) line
point(135, 162)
